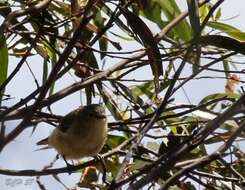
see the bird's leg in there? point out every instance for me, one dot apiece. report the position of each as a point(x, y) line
point(101, 160)
point(69, 166)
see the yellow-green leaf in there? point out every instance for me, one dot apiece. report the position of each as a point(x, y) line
point(228, 29)
point(171, 10)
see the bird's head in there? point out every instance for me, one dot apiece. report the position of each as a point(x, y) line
point(96, 111)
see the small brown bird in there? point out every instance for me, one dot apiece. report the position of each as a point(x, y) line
point(81, 133)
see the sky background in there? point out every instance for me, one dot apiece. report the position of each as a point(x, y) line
point(20, 154)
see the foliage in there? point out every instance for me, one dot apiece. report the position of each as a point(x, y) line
point(154, 140)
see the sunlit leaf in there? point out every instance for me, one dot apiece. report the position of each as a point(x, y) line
point(155, 16)
point(143, 89)
point(203, 11)
point(147, 88)
point(113, 166)
point(88, 177)
point(228, 29)
point(128, 38)
point(131, 94)
point(217, 15)
point(171, 10)
point(53, 58)
point(109, 102)
point(60, 7)
point(115, 140)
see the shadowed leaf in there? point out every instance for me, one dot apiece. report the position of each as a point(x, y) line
point(223, 42)
point(195, 25)
point(144, 33)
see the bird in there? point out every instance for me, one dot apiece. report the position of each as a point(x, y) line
point(81, 133)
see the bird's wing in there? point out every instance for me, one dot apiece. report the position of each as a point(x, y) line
point(67, 120)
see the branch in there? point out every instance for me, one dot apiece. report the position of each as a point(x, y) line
point(69, 169)
point(31, 10)
point(171, 158)
point(205, 160)
point(44, 89)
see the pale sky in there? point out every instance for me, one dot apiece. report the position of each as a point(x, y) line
point(20, 153)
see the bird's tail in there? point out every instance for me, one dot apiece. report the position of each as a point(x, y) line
point(43, 142)
point(44, 148)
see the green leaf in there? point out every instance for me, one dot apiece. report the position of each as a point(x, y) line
point(217, 96)
point(147, 88)
point(4, 8)
point(194, 16)
point(195, 25)
point(171, 11)
point(143, 89)
point(51, 52)
point(60, 7)
point(103, 44)
point(237, 35)
point(228, 29)
point(3, 62)
point(113, 109)
point(155, 15)
point(127, 38)
point(212, 97)
point(130, 93)
point(52, 56)
point(218, 14)
point(221, 26)
point(114, 140)
point(226, 68)
point(203, 11)
point(144, 33)
point(224, 42)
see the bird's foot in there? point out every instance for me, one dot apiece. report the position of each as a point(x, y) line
point(102, 162)
point(69, 166)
